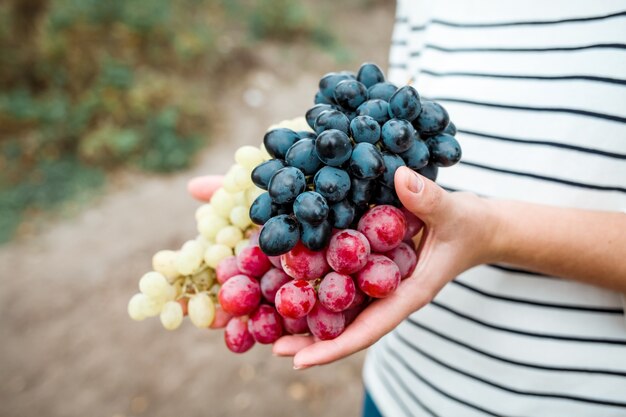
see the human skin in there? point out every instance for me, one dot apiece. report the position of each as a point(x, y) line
point(463, 230)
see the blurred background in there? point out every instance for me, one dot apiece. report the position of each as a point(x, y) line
point(107, 109)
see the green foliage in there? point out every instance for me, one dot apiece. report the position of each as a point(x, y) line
point(88, 86)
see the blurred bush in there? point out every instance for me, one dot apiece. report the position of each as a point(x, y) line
point(88, 86)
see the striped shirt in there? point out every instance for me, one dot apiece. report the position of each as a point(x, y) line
point(537, 90)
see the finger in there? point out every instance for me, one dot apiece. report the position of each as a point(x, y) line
point(202, 188)
point(374, 322)
point(290, 345)
point(420, 195)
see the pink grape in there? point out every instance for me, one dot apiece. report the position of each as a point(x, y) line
point(325, 324)
point(236, 335)
point(353, 312)
point(348, 251)
point(359, 297)
point(253, 238)
point(227, 268)
point(265, 324)
point(253, 262)
point(336, 291)
point(295, 299)
point(379, 277)
point(405, 257)
point(275, 260)
point(303, 263)
point(413, 224)
point(240, 295)
point(271, 282)
point(221, 318)
point(384, 226)
point(296, 326)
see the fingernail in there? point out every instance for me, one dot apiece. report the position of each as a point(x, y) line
point(300, 367)
point(415, 184)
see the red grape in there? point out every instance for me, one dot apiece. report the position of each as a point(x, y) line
point(384, 226)
point(227, 268)
point(336, 291)
point(303, 263)
point(265, 324)
point(379, 277)
point(359, 297)
point(271, 282)
point(252, 261)
point(348, 251)
point(275, 260)
point(405, 257)
point(236, 335)
point(295, 299)
point(240, 295)
point(413, 224)
point(296, 326)
point(325, 324)
point(221, 318)
point(352, 313)
point(184, 303)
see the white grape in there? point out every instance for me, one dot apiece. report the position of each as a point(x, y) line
point(222, 202)
point(229, 183)
point(204, 242)
point(208, 226)
point(205, 278)
point(229, 236)
point(240, 198)
point(163, 262)
point(249, 157)
point(171, 315)
point(252, 193)
point(240, 217)
point(204, 210)
point(215, 253)
point(189, 257)
point(201, 310)
point(264, 152)
point(237, 179)
point(155, 286)
point(241, 246)
point(149, 307)
point(135, 307)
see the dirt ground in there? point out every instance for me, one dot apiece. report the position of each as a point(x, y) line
point(67, 345)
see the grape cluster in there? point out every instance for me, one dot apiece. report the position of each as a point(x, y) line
point(364, 128)
point(307, 229)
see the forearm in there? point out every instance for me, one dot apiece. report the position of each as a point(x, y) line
point(583, 245)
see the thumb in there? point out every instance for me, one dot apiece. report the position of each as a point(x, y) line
point(420, 195)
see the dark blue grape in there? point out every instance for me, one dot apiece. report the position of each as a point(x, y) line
point(383, 91)
point(366, 161)
point(310, 207)
point(278, 141)
point(322, 99)
point(333, 147)
point(450, 129)
point(416, 156)
point(432, 119)
point(349, 74)
point(361, 191)
point(370, 74)
point(350, 114)
point(316, 237)
point(332, 183)
point(405, 103)
point(332, 119)
point(262, 209)
point(392, 163)
point(279, 235)
point(262, 174)
point(329, 82)
point(445, 151)
point(377, 109)
point(350, 94)
point(365, 129)
point(315, 111)
point(430, 171)
point(286, 184)
point(386, 195)
point(342, 214)
point(398, 135)
point(306, 134)
point(303, 156)
point(286, 208)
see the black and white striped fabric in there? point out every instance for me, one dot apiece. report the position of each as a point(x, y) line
point(537, 90)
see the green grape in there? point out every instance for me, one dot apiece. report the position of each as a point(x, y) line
point(201, 310)
point(163, 262)
point(249, 157)
point(171, 315)
point(189, 257)
point(155, 286)
point(204, 210)
point(240, 217)
point(240, 198)
point(209, 225)
point(135, 307)
point(241, 245)
point(229, 236)
point(222, 202)
point(215, 253)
